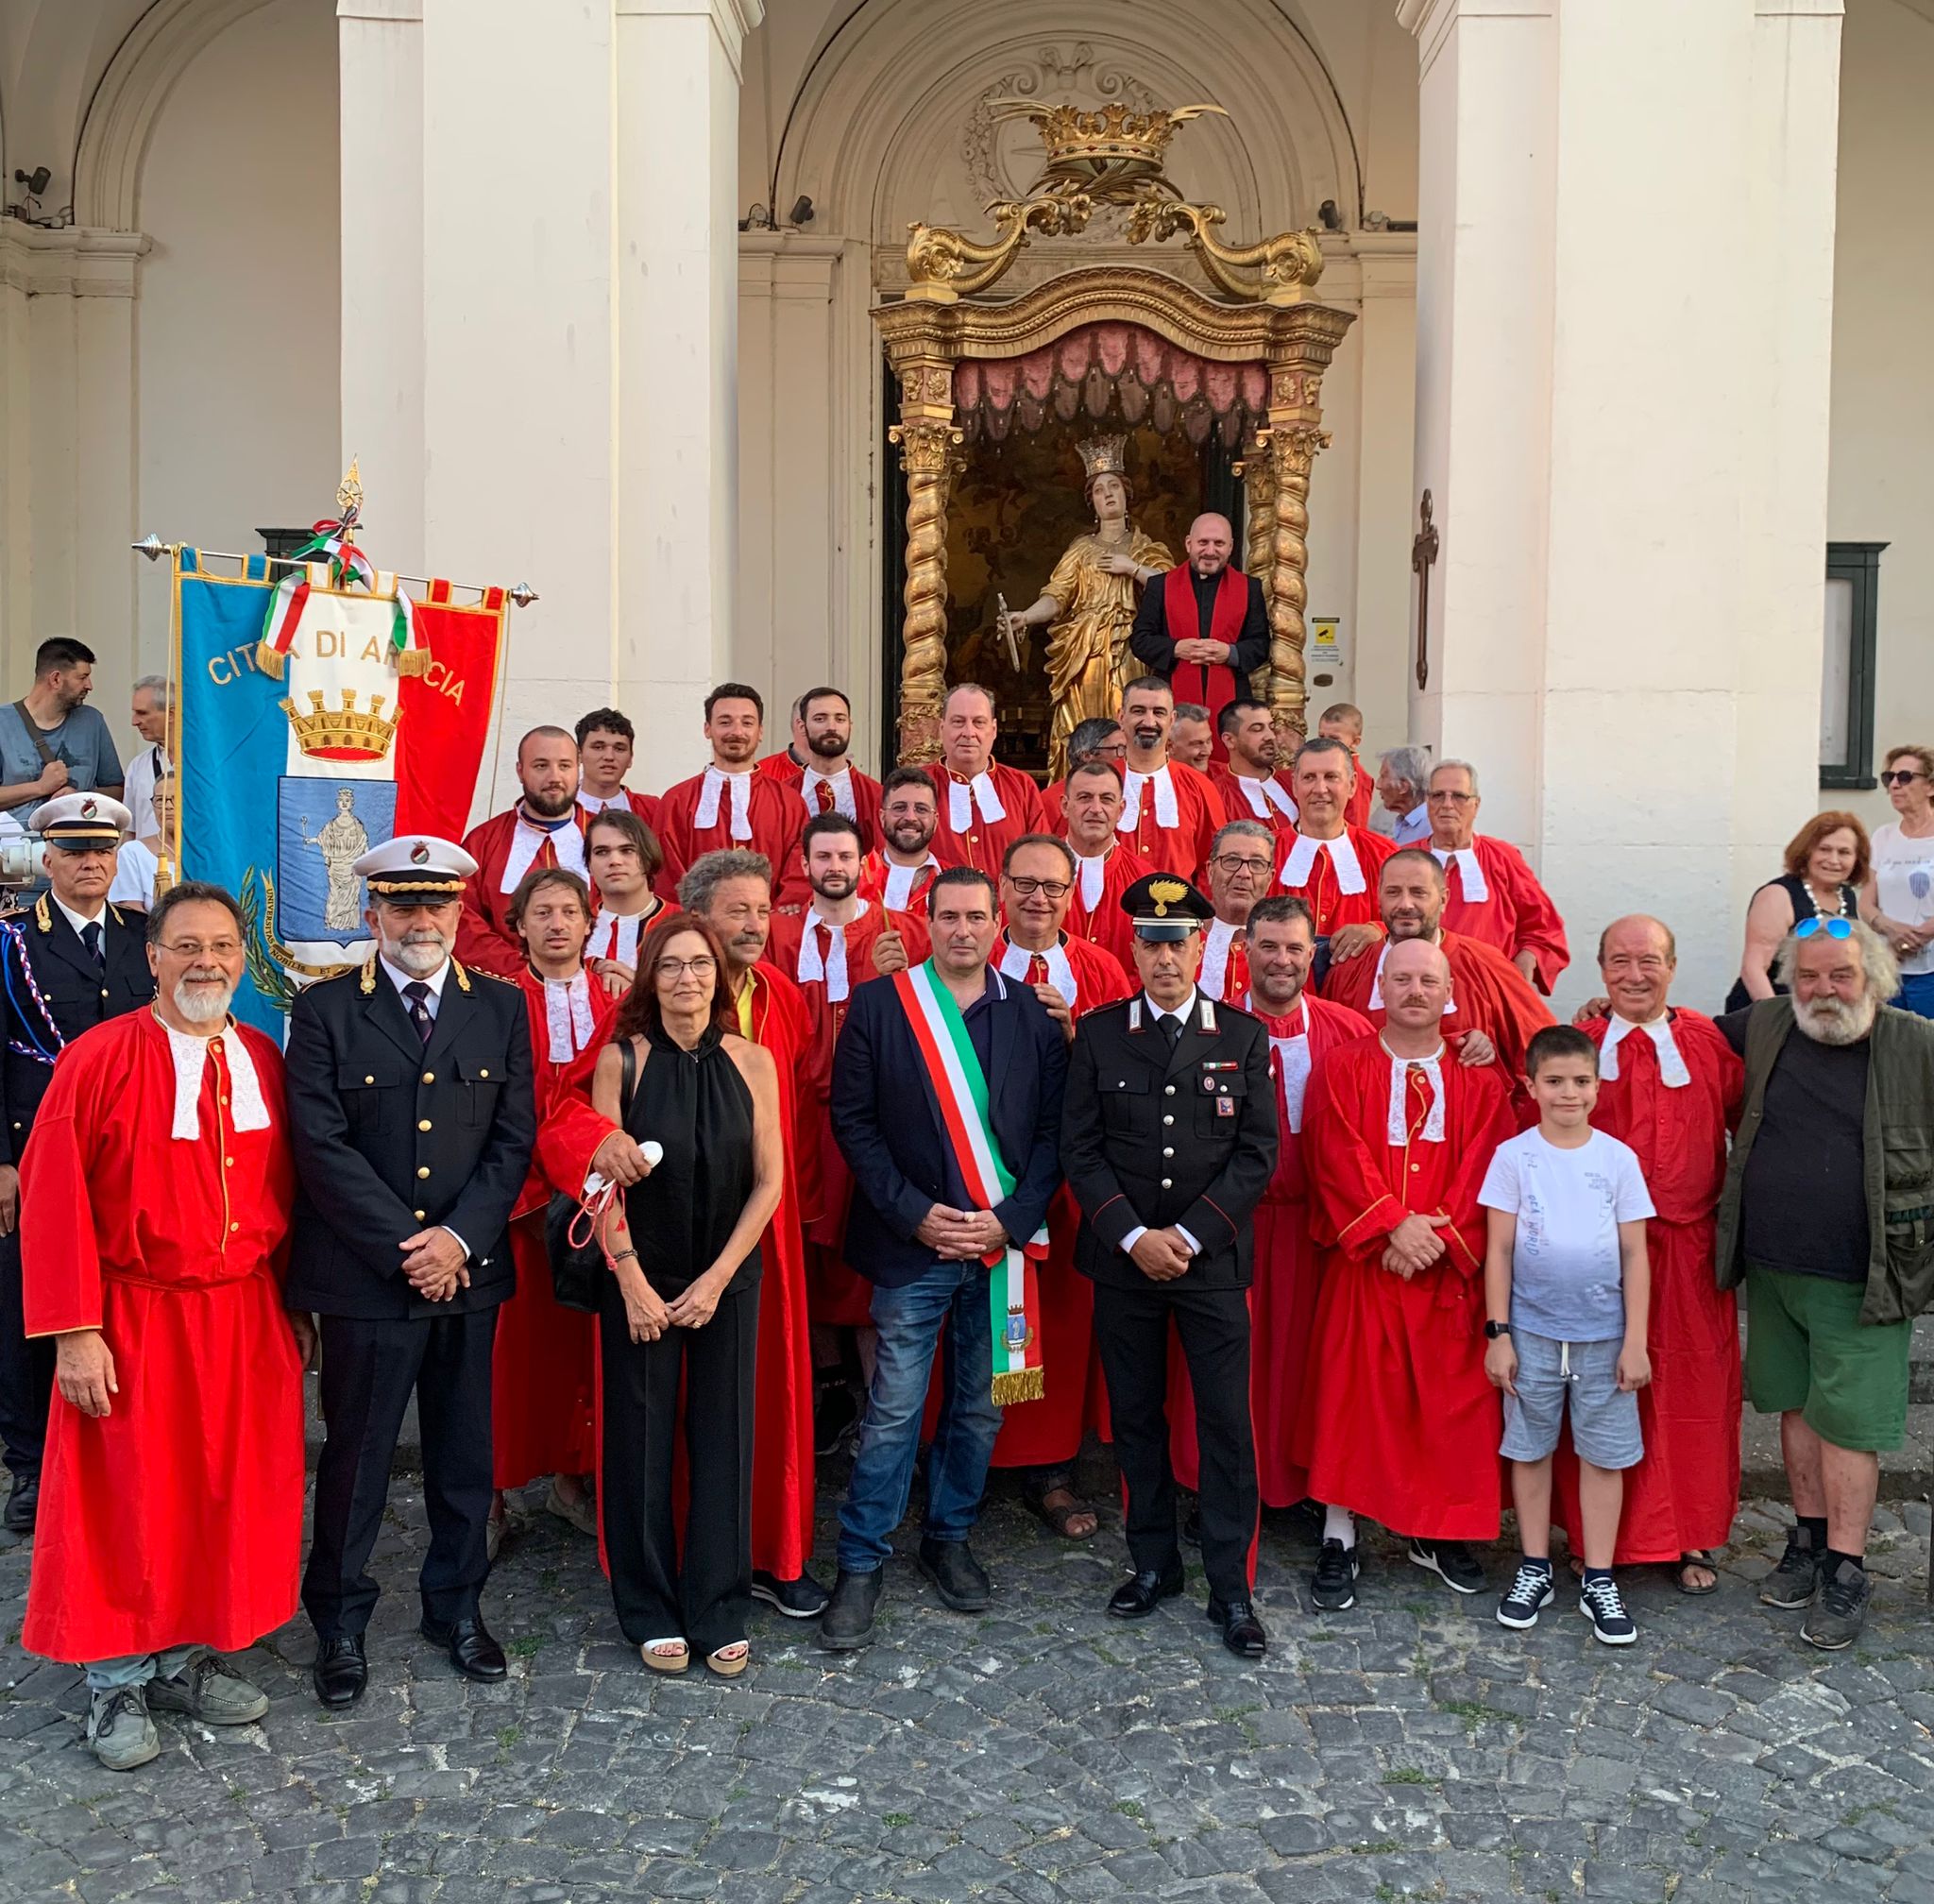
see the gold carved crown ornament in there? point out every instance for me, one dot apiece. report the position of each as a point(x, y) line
point(1111, 154)
point(1103, 456)
point(348, 733)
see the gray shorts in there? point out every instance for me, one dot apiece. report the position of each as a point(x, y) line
point(1604, 1418)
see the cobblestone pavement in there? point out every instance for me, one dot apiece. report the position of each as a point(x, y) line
point(1409, 1747)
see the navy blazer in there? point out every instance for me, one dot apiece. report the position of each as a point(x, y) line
point(887, 1122)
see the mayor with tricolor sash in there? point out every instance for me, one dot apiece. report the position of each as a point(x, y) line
point(946, 1102)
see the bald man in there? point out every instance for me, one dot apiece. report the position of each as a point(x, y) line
point(1203, 626)
point(546, 827)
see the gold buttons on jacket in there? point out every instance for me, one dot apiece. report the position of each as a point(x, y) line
point(417, 1214)
point(422, 1169)
point(430, 1077)
point(422, 1123)
point(483, 1072)
point(367, 1079)
point(103, 990)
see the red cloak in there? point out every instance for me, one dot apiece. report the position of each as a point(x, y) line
point(875, 872)
point(1398, 1419)
point(1104, 925)
point(644, 804)
point(1239, 795)
point(176, 1519)
point(1282, 1298)
point(1184, 847)
point(787, 771)
point(1321, 892)
point(1363, 796)
point(983, 843)
point(543, 1363)
point(1516, 915)
point(774, 816)
point(484, 937)
point(1682, 1497)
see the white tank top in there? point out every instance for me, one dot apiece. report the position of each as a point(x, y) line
point(1903, 883)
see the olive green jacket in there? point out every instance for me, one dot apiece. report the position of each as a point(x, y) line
point(1899, 1140)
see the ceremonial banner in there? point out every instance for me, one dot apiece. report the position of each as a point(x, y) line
point(447, 712)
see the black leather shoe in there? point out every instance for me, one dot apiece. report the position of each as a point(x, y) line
point(1137, 1598)
point(471, 1649)
point(22, 1506)
point(957, 1577)
point(847, 1624)
point(341, 1671)
point(1242, 1632)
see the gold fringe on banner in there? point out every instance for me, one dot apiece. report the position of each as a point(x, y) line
point(271, 660)
point(414, 662)
point(1018, 1385)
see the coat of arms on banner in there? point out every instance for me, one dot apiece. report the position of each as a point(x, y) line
point(322, 828)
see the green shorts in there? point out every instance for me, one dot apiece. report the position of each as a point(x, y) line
point(1807, 1348)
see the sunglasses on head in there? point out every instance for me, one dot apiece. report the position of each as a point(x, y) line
point(1834, 928)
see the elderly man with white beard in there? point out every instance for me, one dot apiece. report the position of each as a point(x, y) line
point(411, 1104)
point(157, 1192)
point(1828, 1217)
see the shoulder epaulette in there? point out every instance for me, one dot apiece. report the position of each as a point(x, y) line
point(43, 918)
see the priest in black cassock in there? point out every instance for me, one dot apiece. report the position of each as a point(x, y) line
point(1203, 626)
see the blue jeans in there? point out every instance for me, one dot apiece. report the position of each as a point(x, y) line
point(910, 1321)
point(1917, 993)
point(137, 1669)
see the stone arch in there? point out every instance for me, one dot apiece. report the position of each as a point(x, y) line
point(159, 49)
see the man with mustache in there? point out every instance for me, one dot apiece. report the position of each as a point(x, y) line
point(899, 870)
point(411, 1104)
point(1105, 867)
point(732, 807)
point(156, 1203)
point(546, 827)
point(816, 767)
point(1825, 1217)
point(1169, 811)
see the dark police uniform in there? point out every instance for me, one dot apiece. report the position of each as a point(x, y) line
point(54, 989)
point(396, 1132)
point(1159, 1133)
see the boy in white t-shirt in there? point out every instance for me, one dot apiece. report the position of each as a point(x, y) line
point(1567, 1288)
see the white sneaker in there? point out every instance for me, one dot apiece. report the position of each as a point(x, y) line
point(1601, 1603)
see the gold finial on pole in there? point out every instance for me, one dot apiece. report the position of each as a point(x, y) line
point(349, 492)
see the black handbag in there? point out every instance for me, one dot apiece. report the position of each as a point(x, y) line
point(570, 1229)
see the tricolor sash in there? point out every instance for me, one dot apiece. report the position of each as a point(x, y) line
point(959, 1085)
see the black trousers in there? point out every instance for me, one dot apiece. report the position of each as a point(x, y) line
point(26, 1373)
point(705, 1592)
point(368, 1371)
point(1132, 1327)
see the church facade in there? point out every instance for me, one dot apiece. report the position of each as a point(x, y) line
point(1633, 289)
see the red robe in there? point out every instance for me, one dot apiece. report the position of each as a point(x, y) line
point(1517, 916)
point(787, 772)
point(1325, 897)
point(1054, 798)
point(1282, 1297)
point(985, 842)
point(1363, 796)
point(1490, 995)
point(1184, 847)
point(834, 1293)
point(1235, 791)
point(1104, 923)
point(775, 817)
point(644, 804)
point(1682, 1497)
point(484, 937)
point(543, 1363)
point(874, 874)
point(1398, 1419)
point(1224, 971)
point(176, 1519)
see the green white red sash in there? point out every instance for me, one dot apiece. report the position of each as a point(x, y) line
point(960, 1085)
point(347, 563)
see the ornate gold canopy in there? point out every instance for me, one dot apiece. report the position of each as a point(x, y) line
point(1112, 156)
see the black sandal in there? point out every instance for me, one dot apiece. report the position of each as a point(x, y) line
point(1700, 1558)
point(1056, 1518)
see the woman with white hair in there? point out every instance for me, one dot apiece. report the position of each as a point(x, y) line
point(1898, 896)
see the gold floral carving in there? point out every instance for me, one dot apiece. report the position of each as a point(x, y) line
point(1292, 455)
point(926, 453)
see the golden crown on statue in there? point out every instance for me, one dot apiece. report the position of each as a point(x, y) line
point(348, 733)
point(1112, 154)
point(1103, 456)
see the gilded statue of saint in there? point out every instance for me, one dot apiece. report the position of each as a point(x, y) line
point(1089, 602)
point(341, 843)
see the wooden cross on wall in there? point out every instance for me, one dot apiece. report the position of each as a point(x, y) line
point(1423, 553)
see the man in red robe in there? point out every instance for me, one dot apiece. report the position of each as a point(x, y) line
point(1105, 868)
point(1302, 1029)
point(1069, 976)
point(545, 828)
point(1493, 894)
point(822, 775)
point(1099, 737)
point(1670, 1086)
point(605, 741)
point(1397, 1419)
point(1327, 863)
point(1240, 864)
point(1488, 994)
point(731, 805)
point(1342, 720)
point(154, 1198)
point(898, 871)
point(732, 892)
point(1203, 626)
point(1192, 740)
point(1251, 781)
point(984, 806)
point(1169, 812)
point(543, 1365)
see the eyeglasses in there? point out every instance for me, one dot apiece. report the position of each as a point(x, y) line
point(1899, 777)
point(1055, 888)
point(1457, 799)
point(194, 948)
point(701, 967)
point(1834, 928)
point(1234, 862)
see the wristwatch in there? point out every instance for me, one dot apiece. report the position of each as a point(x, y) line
point(1493, 1329)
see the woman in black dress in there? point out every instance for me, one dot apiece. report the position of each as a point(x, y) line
point(683, 1300)
point(1826, 861)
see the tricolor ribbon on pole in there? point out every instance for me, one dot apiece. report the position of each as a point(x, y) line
point(347, 563)
point(960, 1086)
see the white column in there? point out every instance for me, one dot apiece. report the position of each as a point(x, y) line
point(1619, 417)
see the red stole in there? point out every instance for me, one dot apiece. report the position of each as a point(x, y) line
point(1211, 688)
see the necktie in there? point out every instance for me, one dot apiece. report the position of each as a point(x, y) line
point(91, 938)
point(418, 995)
point(1037, 969)
point(825, 796)
point(1172, 1031)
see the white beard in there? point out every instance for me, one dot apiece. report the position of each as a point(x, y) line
point(1828, 1021)
point(419, 959)
point(199, 1005)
